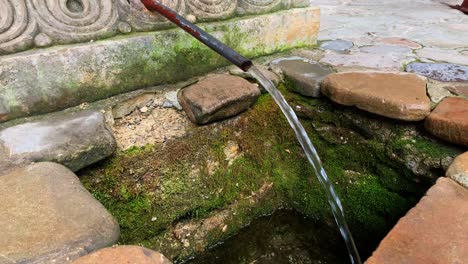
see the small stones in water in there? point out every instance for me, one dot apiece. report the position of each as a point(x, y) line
point(217, 97)
point(395, 95)
point(304, 75)
point(449, 120)
point(446, 72)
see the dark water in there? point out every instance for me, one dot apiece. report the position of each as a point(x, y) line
point(284, 237)
point(314, 160)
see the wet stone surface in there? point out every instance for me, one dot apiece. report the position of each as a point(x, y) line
point(284, 237)
point(304, 76)
point(446, 72)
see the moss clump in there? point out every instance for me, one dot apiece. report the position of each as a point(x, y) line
point(150, 189)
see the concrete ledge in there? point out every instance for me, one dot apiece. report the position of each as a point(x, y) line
point(47, 80)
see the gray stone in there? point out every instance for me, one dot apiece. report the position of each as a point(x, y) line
point(385, 49)
point(450, 56)
point(217, 97)
point(382, 62)
point(171, 100)
point(273, 77)
point(75, 140)
point(47, 216)
point(46, 80)
point(305, 75)
point(437, 91)
point(446, 72)
point(338, 45)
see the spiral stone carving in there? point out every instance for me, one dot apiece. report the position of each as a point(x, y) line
point(258, 6)
point(212, 9)
point(69, 21)
point(134, 13)
point(16, 26)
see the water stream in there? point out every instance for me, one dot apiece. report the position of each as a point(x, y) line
point(313, 159)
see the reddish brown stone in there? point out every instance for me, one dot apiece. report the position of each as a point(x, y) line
point(458, 89)
point(458, 170)
point(395, 95)
point(217, 97)
point(433, 232)
point(449, 120)
point(400, 42)
point(123, 255)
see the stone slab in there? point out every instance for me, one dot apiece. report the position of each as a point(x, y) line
point(458, 170)
point(449, 120)
point(305, 76)
point(123, 255)
point(217, 97)
point(434, 231)
point(338, 45)
point(42, 81)
point(446, 72)
point(444, 55)
point(47, 216)
point(75, 140)
point(395, 95)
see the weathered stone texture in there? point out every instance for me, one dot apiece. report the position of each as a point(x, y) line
point(395, 95)
point(445, 72)
point(122, 255)
point(449, 120)
point(47, 216)
point(47, 80)
point(74, 140)
point(434, 231)
point(305, 76)
point(217, 97)
point(40, 23)
point(458, 170)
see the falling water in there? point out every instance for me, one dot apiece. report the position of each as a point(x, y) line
point(313, 159)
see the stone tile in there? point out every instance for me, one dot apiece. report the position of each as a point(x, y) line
point(400, 42)
point(443, 55)
point(337, 45)
point(124, 254)
point(457, 88)
point(386, 49)
point(75, 140)
point(47, 216)
point(395, 95)
point(217, 97)
point(434, 231)
point(382, 62)
point(445, 72)
point(458, 170)
point(304, 75)
point(437, 91)
point(449, 120)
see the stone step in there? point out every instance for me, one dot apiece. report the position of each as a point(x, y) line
point(217, 97)
point(449, 120)
point(395, 95)
point(434, 231)
point(122, 255)
point(458, 170)
point(75, 140)
point(47, 216)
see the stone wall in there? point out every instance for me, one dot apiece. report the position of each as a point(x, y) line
point(83, 68)
point(25, 24)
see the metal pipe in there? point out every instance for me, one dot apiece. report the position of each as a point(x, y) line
point(213, 43)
